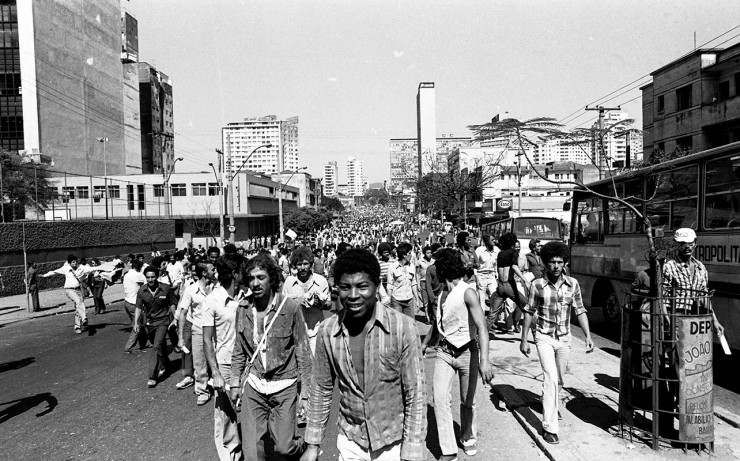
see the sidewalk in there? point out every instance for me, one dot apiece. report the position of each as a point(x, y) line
point(52, 302)
point(589, 428)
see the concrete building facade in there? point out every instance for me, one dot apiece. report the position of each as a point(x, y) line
point(309, 189)
point(331, 179)
point(426, 128)
point(404, 159)
point(63, 83)
point(355, 177)
point(240, 139)
point(693, 103)
point(157, 128)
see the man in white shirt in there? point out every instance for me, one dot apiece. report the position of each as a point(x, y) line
point(132, 282)
point(190, 312)
point(486, 275)
point(176, 272)
point(73, 276)
point(219, 335)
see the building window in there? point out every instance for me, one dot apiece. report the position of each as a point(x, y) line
point(212, 189)
point(98, 192)
point(737, 84)
point(179, 190)
point(114, 192)
point(159, 190)
point(68, 193)
point(142, 198)
point(199, 189)
point(661, 104)
point(130, 196)
point(724, 90)
point(83, 192)
point(685, 143)
point(683, 98)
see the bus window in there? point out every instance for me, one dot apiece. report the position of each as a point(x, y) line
point(722, 202)
point(672, 198)
point(590, 221)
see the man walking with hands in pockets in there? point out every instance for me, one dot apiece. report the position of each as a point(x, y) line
point(551, 298)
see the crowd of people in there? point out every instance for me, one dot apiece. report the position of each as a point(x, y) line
point(272, 329)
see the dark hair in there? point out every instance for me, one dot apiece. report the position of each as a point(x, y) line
point(403, 249)
point(200, 269)
point(449, 264)
point(213, 250)
point(383, 247)
point(461, 238)
point(554, 250)
point(229, 248)
point(179, 256)
point(435, 246)
point(137, 265)
point(425, 249)
point(300, 254)
point(507, 241)
point(533, 243)
point(266, 263)
point(341, 248)
point(226, 266)
point(486, 238)
point(357, 260)
point(153, 269)
point(71, 258)
point(157, 261)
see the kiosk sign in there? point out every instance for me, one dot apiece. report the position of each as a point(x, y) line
point(695, 403)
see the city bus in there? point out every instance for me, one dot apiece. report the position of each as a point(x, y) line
point(526, 229)
point(609, 245)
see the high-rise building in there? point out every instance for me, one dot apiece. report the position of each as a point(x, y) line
point(157, 129)
point(63, 83)
point(247, 142)
point(331, 179)
point(404, 156)
point(426, 129)
point(355, 177)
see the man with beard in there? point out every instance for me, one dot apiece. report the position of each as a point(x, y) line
point(374, 354)
point(270, 354)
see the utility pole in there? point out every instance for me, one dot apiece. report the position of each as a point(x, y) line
point(602, 155)
point(519, 183)
point(280, 188)
point(220, 180)
point(231, 189)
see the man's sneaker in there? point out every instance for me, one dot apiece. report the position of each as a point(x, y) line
point(469, 447)
point(162, 371)
point(151, 383)
point(84, 322)
point(78, 330)
point(550, 438)
point(127, 351)
point(185, 383)
point(448, 458)
point(203, 399)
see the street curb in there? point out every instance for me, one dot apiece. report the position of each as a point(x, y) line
point(65, 310)
point(513, 402)
point(728, 417)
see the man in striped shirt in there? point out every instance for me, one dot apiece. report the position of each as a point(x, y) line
point(374, 354)
point(552, 298)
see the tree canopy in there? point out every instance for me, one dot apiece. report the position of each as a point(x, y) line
point(332, 203)
point(376, 197)
point(307, 220)
point(22, 183)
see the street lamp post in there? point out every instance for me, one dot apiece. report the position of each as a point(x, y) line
point(104, 140)
point(167, 176)
point(231, 182)
point(280, 199)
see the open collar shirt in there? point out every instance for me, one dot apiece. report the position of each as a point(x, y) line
point(390, 405)
point(689, 278)
point(553, 304)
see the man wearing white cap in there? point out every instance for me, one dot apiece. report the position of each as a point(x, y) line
point(687, 274)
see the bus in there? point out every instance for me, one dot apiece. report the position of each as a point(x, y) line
point(609, 245)
point(526, 229)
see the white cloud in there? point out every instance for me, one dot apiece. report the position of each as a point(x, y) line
point(398, 54)
point(333, 79)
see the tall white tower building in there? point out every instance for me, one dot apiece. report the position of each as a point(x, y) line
point(355, 178)
point(240, 139)
point(331, 173)
point(426, 128)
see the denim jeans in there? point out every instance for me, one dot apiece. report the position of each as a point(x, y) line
point(445, 368)
point(275, 414)
point(554, 353)
point(133, 337)
point(158, 358)
point(350, 451)
point(75, 295)
point(186, 362)
point(225, 428)
point(405, 307)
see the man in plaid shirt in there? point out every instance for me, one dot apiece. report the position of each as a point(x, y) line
point(552, 297)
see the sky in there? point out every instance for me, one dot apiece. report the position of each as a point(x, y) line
point(350, 70)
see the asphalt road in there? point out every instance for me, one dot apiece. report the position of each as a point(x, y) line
point(79, 397)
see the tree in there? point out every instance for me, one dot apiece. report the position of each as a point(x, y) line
point(376, 197)
point(24, 184)
point(582, 137)
point(204, 223)
point(332, 203)
point(306, 220)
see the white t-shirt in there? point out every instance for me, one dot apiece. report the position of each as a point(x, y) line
point(132, 281)
point(220, 312)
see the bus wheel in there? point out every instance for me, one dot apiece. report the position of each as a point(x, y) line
point(612, 309)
